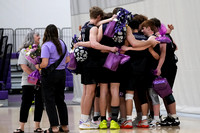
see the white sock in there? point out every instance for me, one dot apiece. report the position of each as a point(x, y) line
point(156, 118)
point(169, 114)
point(129, 117)
point(96, 113)
point(84, 117)
point(174, 116)
point(144, 117)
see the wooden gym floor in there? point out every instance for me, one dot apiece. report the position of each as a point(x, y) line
point(9, 117)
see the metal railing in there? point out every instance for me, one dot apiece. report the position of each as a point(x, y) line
point(10, 33)
point(66, 35)
point(17, 36)
point(20, 34)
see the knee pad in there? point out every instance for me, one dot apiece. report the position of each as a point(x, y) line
point(169, 99)
point(128, 96)
point(154, 97)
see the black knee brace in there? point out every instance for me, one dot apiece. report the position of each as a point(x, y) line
point(169, 99)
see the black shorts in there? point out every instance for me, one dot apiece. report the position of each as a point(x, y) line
point(134, 82)
point(126, 72)
point(89, 76)
point(108, 76)
point(132, 79)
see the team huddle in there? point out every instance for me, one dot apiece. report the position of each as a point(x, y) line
point(108, 94)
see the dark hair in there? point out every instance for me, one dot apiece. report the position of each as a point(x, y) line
point(107, 15)
point(116, 10)
point(149, 23)
point(156, 22)
point(51, 34)
point(137, 20)
point(95, 11)
point(134, 24)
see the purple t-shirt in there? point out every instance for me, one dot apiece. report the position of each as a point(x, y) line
point(49, 51)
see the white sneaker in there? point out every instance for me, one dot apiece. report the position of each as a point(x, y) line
point(127, 124)
point(154, 123)
point(80, 121)
point(136, 121)
point(143, 124)
point(88, 125)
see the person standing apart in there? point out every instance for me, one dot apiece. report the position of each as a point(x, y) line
point(28, 90)
point(53, 82)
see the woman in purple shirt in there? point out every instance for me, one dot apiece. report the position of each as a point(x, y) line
point(53, 84)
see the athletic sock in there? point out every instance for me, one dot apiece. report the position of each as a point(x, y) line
point(174, 116)
point(115, 112)
point(157, 118)
point(96, 116)
point(129, 117)
point(144, 117)
point(84, 117)
point(103, 118)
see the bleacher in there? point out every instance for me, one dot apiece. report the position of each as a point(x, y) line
point(5, 56)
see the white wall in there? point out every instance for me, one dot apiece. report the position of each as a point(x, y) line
point(34, 13)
